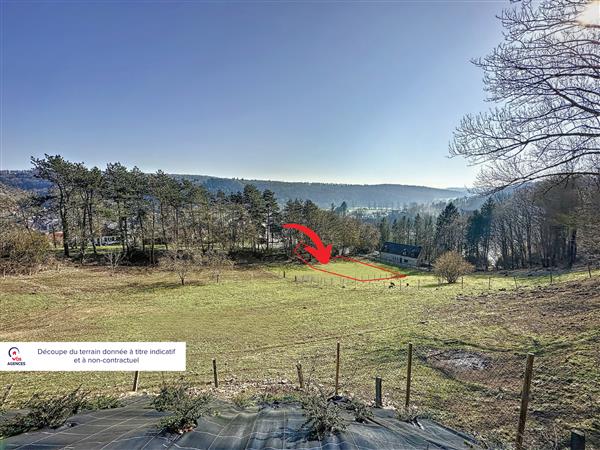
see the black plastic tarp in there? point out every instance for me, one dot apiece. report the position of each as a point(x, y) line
point(257, 428)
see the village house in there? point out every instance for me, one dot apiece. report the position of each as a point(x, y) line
point(401, 254)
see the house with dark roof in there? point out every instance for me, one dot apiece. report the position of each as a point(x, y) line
point(401, 254)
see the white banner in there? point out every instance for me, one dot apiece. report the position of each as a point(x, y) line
point(92, 356)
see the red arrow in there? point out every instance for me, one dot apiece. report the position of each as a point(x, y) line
point(321, 252)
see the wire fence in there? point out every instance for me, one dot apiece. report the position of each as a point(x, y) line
point(473, 385)
point(474, 391)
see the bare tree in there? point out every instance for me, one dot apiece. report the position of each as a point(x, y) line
point(216, 263)
point(545, 80)
point(113, 258)
point(588, 215)
point(181, 262)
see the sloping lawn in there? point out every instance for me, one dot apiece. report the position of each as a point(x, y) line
point(259, 325)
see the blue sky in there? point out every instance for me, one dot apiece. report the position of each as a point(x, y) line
point(356, 92)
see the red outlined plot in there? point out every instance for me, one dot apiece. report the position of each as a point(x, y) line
point(395, 275)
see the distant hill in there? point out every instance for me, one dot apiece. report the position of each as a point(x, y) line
point(23, 180)
point(323, 194)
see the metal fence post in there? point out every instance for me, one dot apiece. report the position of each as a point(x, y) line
point(337, 369)
point(215, 373)
point(136, 380)
point(378, 402)
point(524, 400)
point(408, 374)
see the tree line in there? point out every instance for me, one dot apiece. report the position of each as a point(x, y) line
point(540, 138)
point(546, 224)
point(147, 212)
point(542, 224)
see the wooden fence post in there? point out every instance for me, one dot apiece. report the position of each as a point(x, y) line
point(136, 381)
point(489, 283)
point(337, 370)
point(462, 282)
point(577, 440)
point(378, 402)
point(284, 274)
point(589, 270)
point(524, 401)
point(550, 277)
point(418, 284)
point(300, 376)
point(408, 374)
point(516, 285)
point(296, 278)
point(216, 379)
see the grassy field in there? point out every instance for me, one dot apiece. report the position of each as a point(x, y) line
point(470, 339)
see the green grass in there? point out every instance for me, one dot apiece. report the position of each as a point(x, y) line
point(259, 324)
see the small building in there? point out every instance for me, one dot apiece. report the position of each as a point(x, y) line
point(107, 240)
point(401, 254)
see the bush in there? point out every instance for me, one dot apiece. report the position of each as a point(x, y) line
point(186, 413)
point(451, 265)
point(243, 400)
point(22, 251)
point(187, 406)
point(101, 402)
point(361, 412)
point(170, 395)
point(4, 397)
point(322, 416)
point(44, 412)
point(54, 411)
point(411, 414)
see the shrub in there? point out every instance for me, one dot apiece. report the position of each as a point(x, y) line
point(322, 416)
point(44, 412)
point(186, 414)
point(451, 265)
point(4, 396)
point(187, 407)
point(22, 251)
point(243, 400)
point(361, 412)
point(170, 395)
point(410, 414)
point(101, 402)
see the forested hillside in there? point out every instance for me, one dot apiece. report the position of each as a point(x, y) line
point(322, 194)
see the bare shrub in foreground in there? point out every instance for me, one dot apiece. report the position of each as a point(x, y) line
point(451, 265)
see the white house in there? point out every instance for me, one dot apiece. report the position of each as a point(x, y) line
point(401, 254)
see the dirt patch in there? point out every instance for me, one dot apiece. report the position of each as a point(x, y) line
point(457, 360)
point(559, 323)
